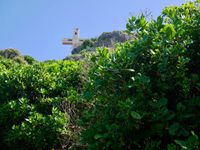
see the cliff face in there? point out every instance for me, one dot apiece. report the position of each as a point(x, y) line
point(106, 39)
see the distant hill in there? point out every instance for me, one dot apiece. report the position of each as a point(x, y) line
point(15, 55)
point(106, 39)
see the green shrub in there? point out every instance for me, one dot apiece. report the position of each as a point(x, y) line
point(39, 80)
point(147, 94)
point(30, 60)
point(33, 114)
point(38, 131)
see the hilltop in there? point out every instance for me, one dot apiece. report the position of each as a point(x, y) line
point(16, 56)
point(106, 39)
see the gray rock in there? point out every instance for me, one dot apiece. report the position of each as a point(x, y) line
point(9, 53)
point(74, 57)
point(109, 39)
point(106, 39)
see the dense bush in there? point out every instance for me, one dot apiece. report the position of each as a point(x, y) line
point(30, 60)
point(143, 95)
point(32, 103)
point(146, 95)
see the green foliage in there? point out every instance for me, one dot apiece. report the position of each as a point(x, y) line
point(146, 94)
point(30, 60)
point(15, 55)
point(88, 43)
point(33, 103)
point(86, 46)
point(39, 131)
point(39, 80)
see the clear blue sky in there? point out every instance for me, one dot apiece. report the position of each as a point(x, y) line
point(36, 27)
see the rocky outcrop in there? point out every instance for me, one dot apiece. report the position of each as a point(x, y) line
point(9, 53)
point(109, 39)
point(106, 39)
point(15, 55)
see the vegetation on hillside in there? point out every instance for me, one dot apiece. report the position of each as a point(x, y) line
point(143, 95)
point(15, 55)
point(106, 39)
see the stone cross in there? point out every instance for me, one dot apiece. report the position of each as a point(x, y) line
point(75, 41)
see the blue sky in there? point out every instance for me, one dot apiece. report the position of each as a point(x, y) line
point(36, 27)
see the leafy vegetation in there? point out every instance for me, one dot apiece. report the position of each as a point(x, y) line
point(32, 112)
point(146, 95)
point(86, 46)
point(15, 55)
point(143, 95)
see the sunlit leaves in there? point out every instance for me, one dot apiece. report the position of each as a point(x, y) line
point(154, 106)
point(169, 31)
point(135, 115)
